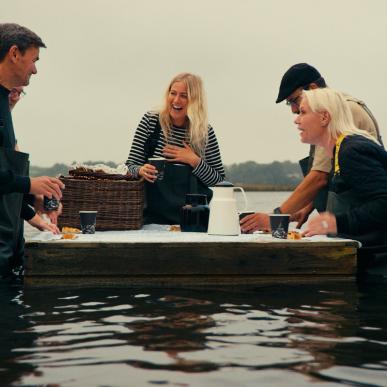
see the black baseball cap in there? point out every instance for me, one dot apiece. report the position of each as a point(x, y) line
point(299, 75)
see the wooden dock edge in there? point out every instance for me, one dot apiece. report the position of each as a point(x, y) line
point(185, 265)
point(181, 282)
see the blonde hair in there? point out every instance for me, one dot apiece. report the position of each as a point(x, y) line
point(197, 129)
point(341, 119)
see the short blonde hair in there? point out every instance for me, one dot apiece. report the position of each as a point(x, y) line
point(196, 111)
point(333, 102)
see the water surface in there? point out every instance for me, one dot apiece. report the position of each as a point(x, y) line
point(279, 335)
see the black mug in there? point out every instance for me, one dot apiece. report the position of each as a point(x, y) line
point(279, 224)
point(159, 163)
point(195, 213)
point(243, 214)
point(50, 204)
point(88, 221)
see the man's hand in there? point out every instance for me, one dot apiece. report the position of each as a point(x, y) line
point(302, 216)
point(255, 222)
point(46, 186)
point(38, 222)
point(39, 203)
point(14, 96)
point(322, 224)
point(184, 155)
point(54, 215)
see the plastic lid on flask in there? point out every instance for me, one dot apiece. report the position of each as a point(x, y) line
point(224, 183)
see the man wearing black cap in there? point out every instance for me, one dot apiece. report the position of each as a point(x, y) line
point(312, 191)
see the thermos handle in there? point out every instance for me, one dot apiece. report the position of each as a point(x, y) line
point(244, 197)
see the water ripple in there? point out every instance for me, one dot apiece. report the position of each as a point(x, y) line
point(109, 337)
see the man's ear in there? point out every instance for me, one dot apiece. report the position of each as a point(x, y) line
point(312, 86)
point(13, 53)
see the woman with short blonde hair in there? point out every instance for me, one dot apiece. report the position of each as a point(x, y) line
point(357, 202)
point(341, 118)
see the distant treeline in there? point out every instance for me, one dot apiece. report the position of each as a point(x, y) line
point(276, 176)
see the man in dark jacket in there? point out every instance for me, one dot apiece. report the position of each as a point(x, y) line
point(19, 51)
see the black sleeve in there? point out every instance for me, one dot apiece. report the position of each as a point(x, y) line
point(27, 212)
point(9, 182)
point(362, 167)
point(30, 199)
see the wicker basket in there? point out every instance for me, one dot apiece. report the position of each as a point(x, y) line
point(119, 202)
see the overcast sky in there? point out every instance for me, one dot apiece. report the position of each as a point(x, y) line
point(109, 61)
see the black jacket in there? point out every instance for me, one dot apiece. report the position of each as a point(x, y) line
point(9, 182)
point(363, 169)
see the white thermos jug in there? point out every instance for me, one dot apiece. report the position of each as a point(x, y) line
point(224, 218)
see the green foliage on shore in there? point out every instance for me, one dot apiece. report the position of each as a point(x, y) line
point(276, 176)
point(55, 170)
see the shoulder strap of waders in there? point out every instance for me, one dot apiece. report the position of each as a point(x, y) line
point(368, 111)
point(337, 149)
point(152, 140)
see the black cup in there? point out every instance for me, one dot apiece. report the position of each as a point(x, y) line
point(245, 213)
point(279, 224)
point(50, 204)
point(195, 213)
point(88, 221)
point(159, 163)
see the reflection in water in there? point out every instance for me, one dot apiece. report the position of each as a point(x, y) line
point(11, 308)
point(282, 335)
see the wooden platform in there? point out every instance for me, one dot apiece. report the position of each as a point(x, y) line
point(200, 262)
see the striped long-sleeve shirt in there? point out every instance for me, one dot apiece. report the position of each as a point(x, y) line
point(210, 169)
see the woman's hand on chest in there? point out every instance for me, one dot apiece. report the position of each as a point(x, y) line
point(183, 154)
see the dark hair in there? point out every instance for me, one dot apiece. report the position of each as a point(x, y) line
point(320, 82)
point(12, 34)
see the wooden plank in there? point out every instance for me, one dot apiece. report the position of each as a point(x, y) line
point(185, 282)
point(137, 264)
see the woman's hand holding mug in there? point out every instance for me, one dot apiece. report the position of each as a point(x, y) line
point(148, 172)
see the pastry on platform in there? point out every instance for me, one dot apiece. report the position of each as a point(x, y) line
point(70, 230)
point(295, 235)
point(69, 236)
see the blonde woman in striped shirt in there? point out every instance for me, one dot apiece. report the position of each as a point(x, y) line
point(179, 132)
